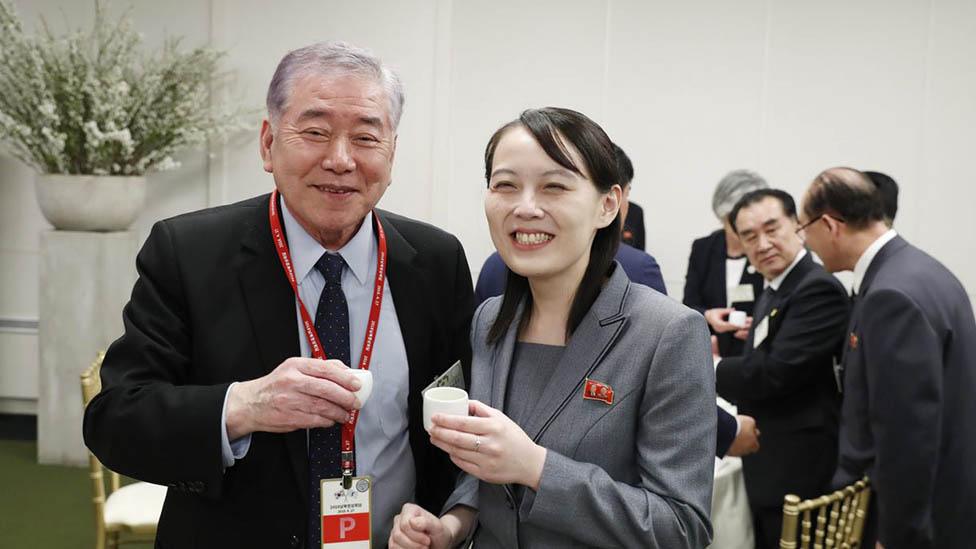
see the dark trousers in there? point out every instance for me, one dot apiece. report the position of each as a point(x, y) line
point(767, 525)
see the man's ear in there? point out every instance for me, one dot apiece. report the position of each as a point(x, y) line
point(833, 226)
point(393, 156)
point(610, 205)
point(264, 144)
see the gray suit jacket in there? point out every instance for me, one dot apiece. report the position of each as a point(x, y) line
point(909, 412)
point(634, 473)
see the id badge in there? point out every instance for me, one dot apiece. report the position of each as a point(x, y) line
point(453, 377)
point(346, 514)
point(762, 330)
point(743, 293)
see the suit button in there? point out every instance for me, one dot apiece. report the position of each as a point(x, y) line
point(295, 542)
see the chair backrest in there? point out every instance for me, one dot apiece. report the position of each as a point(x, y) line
point(840, 518)
point(91, 384)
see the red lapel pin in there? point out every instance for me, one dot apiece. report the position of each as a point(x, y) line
point(853, 341)
point(594, 390)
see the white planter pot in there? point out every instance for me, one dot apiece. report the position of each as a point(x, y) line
point(90, 202)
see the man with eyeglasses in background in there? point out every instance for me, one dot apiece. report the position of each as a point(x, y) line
point(786, 376)
point(909, 416)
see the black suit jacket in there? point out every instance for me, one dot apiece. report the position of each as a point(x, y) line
point(212, 306)
point(787, 383)
point(909, 416)
point(633, 232)
point(705, 285)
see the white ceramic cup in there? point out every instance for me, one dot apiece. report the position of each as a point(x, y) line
point(738, 318)
point(366, 378)
point(444, 400)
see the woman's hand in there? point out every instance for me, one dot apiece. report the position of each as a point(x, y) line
point(416, 528)
point(490, 446)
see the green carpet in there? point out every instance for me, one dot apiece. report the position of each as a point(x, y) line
point(44, 506)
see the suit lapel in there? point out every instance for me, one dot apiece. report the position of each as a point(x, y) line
point(501, 361)
point(270, 304)
point(770, 311)
point(717, 276)
point(886, 251)
point(407, 287)
point(586, 347)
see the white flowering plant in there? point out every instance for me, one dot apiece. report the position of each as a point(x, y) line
point(92, 103)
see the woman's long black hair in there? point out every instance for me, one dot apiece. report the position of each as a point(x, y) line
point(556, 129)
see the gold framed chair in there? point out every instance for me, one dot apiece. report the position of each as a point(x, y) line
point(124, 514)
point(840, 518)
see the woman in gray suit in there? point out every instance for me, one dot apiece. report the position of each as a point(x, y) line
point(594, 418)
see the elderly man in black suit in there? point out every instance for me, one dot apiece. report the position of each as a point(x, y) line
point(909, 416)
point(221, 388)
point(785, 378)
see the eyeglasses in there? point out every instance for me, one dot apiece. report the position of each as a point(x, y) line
point(801, 229)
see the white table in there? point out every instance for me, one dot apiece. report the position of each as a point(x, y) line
point(731, 519)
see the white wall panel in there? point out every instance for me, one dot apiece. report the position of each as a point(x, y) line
point(508, 56)
point(257, 35)
point(684, 99)
point(845, 87)
point(946, 191)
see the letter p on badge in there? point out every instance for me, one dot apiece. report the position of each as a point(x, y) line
point(346, 514)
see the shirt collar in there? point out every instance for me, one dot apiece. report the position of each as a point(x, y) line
point(863, 262)
point(778, 281)
point(305, 251)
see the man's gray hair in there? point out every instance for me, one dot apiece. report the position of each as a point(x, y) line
point(332, 58)
point(732, 187)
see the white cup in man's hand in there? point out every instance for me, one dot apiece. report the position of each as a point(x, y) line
point(738, 318)
point(444, 400)
point(366, 378)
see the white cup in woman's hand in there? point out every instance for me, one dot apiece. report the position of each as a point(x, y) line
point(444, 400)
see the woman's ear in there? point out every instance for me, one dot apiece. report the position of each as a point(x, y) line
point(610, 206)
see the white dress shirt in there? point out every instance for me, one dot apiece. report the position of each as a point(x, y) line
point(382, 439)
point(863, 262)
point(778, 281)
point(733, 276)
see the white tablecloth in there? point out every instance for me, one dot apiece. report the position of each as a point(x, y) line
point(731, 519)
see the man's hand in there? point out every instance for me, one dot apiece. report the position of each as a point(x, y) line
point(718, 319)
point(743, 332)
point(747, 441)
point(299, 394)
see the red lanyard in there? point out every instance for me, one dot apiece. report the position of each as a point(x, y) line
point(348, 455)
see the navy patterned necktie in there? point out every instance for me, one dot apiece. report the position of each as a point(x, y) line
point(763, 305)
point(332, 327)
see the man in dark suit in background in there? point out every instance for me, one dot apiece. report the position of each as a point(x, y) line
point(785, 378)
point(632, 214)
point(889, 194)
point(211, 390)
point(909, 414)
